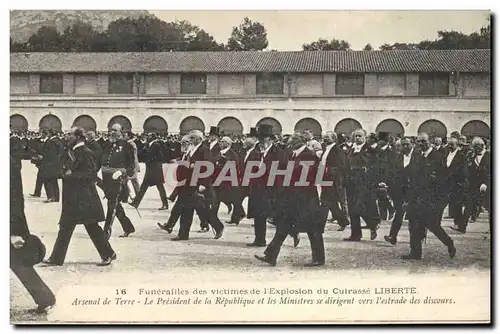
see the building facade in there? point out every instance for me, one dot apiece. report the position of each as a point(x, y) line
point(402, 92)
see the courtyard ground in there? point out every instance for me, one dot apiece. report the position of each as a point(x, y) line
point(149, 257)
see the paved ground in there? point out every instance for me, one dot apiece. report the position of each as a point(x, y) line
point(149, 255)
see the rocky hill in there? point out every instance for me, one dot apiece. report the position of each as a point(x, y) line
point(24, 23)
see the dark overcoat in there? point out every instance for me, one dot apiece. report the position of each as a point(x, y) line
point(50, 165)
point(153, 157)
point(301, 203)
point(80, 201)
point(266, 200)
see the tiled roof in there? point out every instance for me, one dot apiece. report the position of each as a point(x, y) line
point(250, 61)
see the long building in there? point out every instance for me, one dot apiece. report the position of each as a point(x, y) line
point(402, 92)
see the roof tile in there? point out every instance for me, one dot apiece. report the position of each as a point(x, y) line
point(255, 61)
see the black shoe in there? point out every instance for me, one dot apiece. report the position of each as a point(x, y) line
point(257, 244)
point(351, 238)
point(133, 204)
point(164, 207)
point(296, 240)
point(49, 263)
point(179, 238)
point(126, 234)
point(458, 229)
point(314, 264)
point(50, 200)
point(229, 209)
point(373, 234)
point(107, 261)
point(341, 228)
point(452, 250)
point(165, 228)
point(44, 309)
point(219, 233)
point(392, 241)
point(411, 257)
point(204, 230)
point(33, 195)
point(265, 259)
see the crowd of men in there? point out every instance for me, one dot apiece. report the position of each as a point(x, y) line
point(373, 177)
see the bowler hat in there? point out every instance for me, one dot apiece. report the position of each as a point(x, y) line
point(214, 130)
point(265, 130)
point(32, 252)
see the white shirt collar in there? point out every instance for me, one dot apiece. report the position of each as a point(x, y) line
point(267, 150)
point(299, 150)
point(383, 148)
point(409, 154)
point(78, 145)
point(152, 142)
point(329, 147)
point(426, 153)
point(52, 137)
point(193, 150)
point(225, 150)
point(212, 144)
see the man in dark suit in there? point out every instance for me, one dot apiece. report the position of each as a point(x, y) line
point(80, 202)
point(398, 184)
point(117, 165)
point(19, 232)
point(456, 182)
point(362, 179)
point(264, 199)
point(152, 155)
point(334, 160)
point(297, 209)
point(197, 194)
point(427, 199)
point(385, 156)
point(50, 166)
point(226, 191)
point(36, 146)
point(439, 147)
point(479, 185)
point(251, 154)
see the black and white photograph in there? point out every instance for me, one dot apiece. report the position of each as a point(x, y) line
point(250, 167)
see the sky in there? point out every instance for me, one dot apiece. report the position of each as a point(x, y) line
point(288, 30)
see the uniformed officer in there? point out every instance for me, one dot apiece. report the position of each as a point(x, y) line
point(117, 165)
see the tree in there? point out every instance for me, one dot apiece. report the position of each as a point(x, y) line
point(368, 47)
point(80, 37)
point(248, 36)
point(46, 39)
point(324, 45)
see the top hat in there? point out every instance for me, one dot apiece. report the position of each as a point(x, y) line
point(214, 130)
point(253, 132)
point(265, 130)
point(385, 136)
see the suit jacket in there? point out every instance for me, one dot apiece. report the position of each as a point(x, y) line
point(481, 174)
point(334, 171)
point(18, 223)
point(153, 157)
point(80, 201)
point(96, 149)
point(51, 163)
point(399, 183)
point(457, 173)
point(229, 156)
point(427, 182)
point(301, 203)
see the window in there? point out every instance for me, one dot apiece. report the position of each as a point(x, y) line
point(350, 84)
point(270, 83)
point(435, 84)
point(121, 84)
point(193, 84)
point(51, 84)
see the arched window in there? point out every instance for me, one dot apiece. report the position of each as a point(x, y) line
point(309, 124)
point(122, 120)
point(86, 122)
point(18, 122)
point(50, 122)
point(155, 124)
point(229, 126)
point(273, 122)
point(347, 126)
point(191, 123)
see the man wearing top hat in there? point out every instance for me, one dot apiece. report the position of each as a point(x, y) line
point(213, 142)
point(265, 200)
point(385, 158)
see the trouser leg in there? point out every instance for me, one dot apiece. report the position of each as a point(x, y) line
point(163, 194)
point(39, 291)
point(99, 240)
point(62, 243)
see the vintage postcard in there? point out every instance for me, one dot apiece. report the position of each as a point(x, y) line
point(250, 167)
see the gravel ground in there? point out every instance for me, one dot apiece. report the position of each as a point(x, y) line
point(149, 257)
